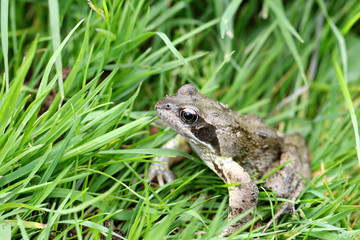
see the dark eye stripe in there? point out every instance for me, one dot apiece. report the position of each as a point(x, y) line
point(207, 133)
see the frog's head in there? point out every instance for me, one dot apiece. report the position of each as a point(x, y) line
point(194, 116)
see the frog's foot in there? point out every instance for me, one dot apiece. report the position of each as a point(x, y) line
point(287, 181)
point(160, 171)
point(283, 209)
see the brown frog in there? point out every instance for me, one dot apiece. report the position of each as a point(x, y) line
point(235, 147)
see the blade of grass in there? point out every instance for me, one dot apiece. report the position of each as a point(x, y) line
point(107, 138)
point(205, 87)
point(277, 7)
point(293, 49)
point(5, 167)
point(44, 79)
point(55, 37)
point(349, 103)
point(5, 39)
point(342, 74)
point(74, 71)
point(5, 230)
point(172, 48)
point(12, 95)
point(90, 202)
point(13, 27)
point(350, 23)
point(339, 37)
point(166, 15)
point(181, 39)
point(21, 224)
point(228, 15)
point(91, 224)
point(64, 144)
point(259, 44)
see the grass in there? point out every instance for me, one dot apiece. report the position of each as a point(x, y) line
point(77, 88)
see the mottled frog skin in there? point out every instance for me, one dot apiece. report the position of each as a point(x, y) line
point(235, 147)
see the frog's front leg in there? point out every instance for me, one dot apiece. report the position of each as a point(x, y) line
point(161, 168)
point(242, 197)
point(287, 182)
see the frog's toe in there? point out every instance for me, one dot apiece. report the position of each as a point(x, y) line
point(161, 173)
point(169, 176)
point(151, 175)
point(292, 208)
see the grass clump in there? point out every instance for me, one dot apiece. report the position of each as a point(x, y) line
point(78, 85)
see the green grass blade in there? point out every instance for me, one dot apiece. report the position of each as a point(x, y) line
point(7, 206)
point(52, 60)
point(20, 223)
point(210, 81)
point(60, 152)
point(171, 46)
point(90, 202)
point(5, 39)
point(93, 225)
point(293, 49)
point(166, 15)
point(106, 33)
point(183, 38)
point(7, 166)
point(39, 197)
point(227, 17)
point(278, 9)
point(339, 37)
point(342, 75)
point(350, 23)
point(13, 27)
point(55, 37)
point(12, 95)
point(349, 103)
point(107, 138)
point(259, 44)
point(5, 230)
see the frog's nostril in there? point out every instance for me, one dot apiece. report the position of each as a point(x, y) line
point(167, 106)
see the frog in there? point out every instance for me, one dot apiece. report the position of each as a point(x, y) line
point(239, 148)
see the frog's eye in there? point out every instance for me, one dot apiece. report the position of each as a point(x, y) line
point(188, 115)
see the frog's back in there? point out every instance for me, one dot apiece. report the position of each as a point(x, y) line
point(257, 144)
